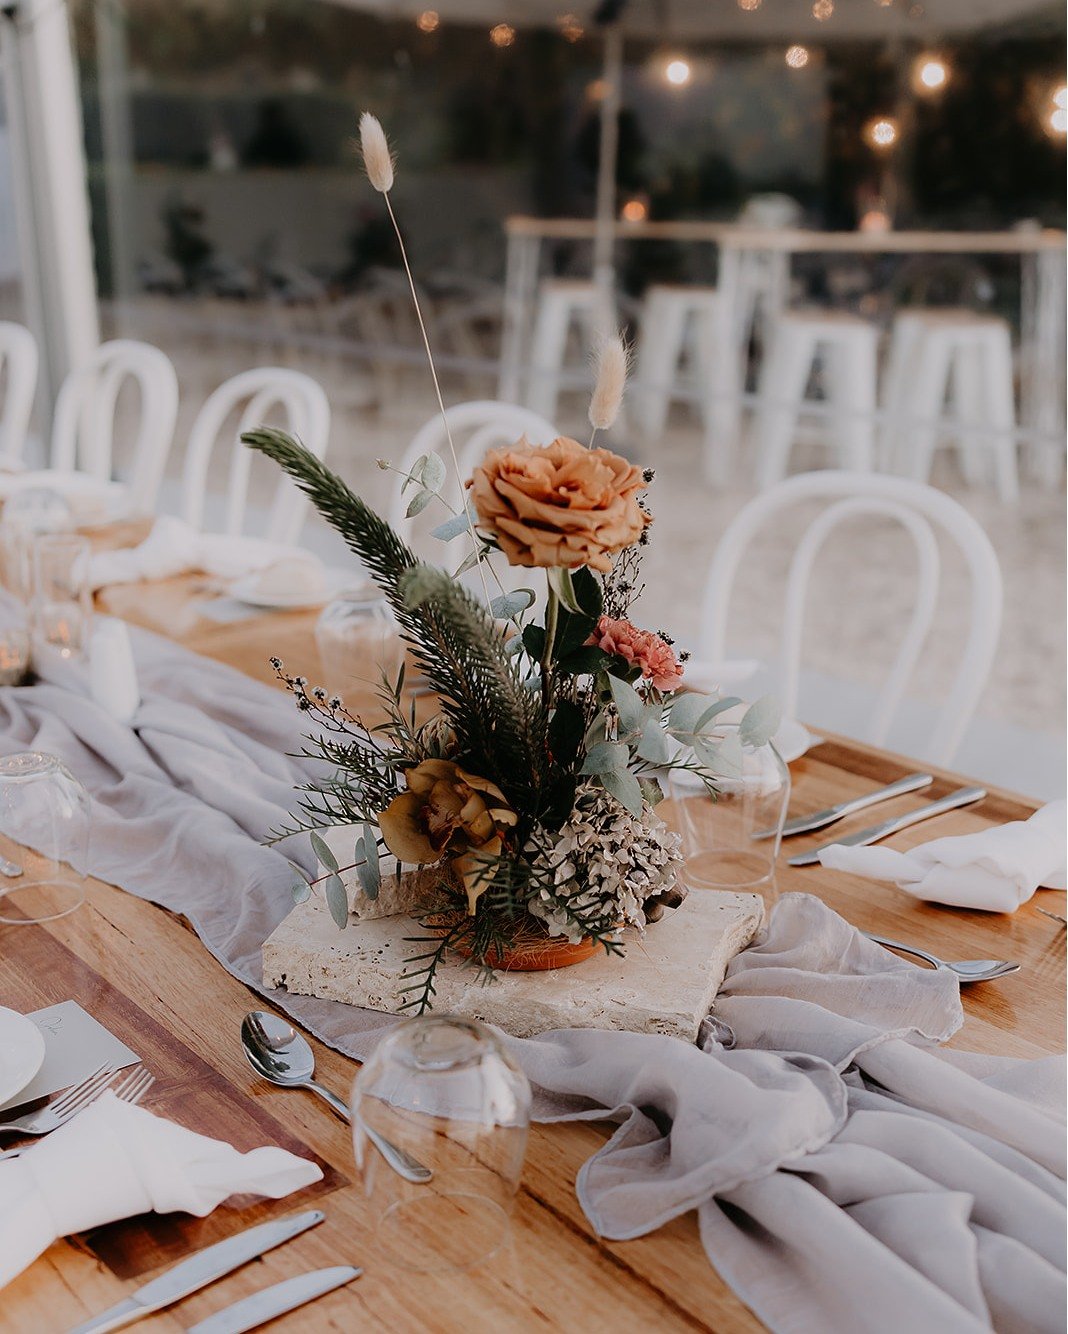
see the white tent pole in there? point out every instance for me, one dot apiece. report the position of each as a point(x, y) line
point(604, 237)
point(49, 177)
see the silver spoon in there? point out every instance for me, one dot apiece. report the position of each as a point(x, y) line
point(280, 1054)
point(968, 970)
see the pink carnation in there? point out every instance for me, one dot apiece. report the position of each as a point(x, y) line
point(640, 648)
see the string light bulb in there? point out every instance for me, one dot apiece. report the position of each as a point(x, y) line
point(797, 57)
point(1058, 117)
point(571, 30)
point(930, 74)
point(678, 72)
point(749, 5)
point(822, 10)
point(428, 21)
point(881, 132)
point(502, 34)
point(634, 210)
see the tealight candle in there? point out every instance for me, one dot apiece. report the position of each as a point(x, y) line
point(14, 656)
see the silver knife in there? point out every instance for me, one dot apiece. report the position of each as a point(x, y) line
point(964, 796)
point(808, 824)
point(275, 1301)
point(201, 1269)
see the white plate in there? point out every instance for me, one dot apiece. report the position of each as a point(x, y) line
point(22, 1051)
point(791, 740)
point(246, 590)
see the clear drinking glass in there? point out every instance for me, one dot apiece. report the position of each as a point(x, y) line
point(62, 604)
point(44, 838)
point(445, 1090)
point(27, 515)
point(720, 842)
point(357, 639)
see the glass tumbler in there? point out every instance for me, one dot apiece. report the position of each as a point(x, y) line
point(730, 840)
point(27, 515)
point(357, 639)
point(446, 1091)
point(44, 838)
point(62, 603)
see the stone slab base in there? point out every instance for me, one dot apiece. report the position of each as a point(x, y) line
point(665, 984)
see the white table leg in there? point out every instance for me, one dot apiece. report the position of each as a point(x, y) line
point(1042, 357)
point(520, 290)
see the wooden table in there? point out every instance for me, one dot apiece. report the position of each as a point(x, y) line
point(145, 975)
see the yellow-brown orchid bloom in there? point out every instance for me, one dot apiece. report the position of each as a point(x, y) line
point(447, 812)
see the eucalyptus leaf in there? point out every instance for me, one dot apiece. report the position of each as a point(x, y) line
point(651, 791)
point(762, 720)
point(459, 523)
point(301, 891)
point(729, 757)
point(322, 851)
point(625, 788)
point(469, 562)
point(606, 757)
point(433, 473)
point(337, 900)
point(508, 605)
point(368, 870)
point(686, 709)
point(714, 710)
point(629, 704)
point(414, 478)
point(418, 503)
point(654, 745)
point(561, 584)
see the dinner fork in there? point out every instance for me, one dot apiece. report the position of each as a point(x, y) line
point(132, 1089)
point(62, 1109)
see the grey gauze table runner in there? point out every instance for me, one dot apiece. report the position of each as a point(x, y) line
point(847, 1174)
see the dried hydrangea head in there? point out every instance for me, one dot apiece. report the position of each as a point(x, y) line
point(377, 159)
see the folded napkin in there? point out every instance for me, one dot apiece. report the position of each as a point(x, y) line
point(175, 547)
point(92, 500)
point(996, 869)
point(115, 1160)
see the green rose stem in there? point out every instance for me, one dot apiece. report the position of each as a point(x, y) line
point(552, 615)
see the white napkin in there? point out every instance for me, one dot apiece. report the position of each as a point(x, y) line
point(92, 500)
point(175, 547)
point(115, 1160)
point(112, 674)
point(995, 870)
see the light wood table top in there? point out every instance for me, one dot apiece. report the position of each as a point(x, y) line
point(142, 972)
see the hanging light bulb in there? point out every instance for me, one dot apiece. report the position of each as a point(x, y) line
point(502, 34)
point(822, 10)
point(634, 210)
point(749, 5)
point(428, 21)
point(797, 57)
point(571, 30)
point(930, 74)
point(881, 132)
point(678, 72)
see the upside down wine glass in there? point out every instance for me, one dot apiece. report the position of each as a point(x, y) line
point(445, 1090)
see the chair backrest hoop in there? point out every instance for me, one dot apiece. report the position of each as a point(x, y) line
point(18, 353)
point(489, 423)
point(307, 414)
point(916, 507)
point(83, 426)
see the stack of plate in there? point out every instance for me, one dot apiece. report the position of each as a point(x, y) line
point(22, 1051)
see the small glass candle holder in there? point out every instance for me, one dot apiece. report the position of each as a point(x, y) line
point(357, 639)
point(14, 656)
point(44, 838)
point(62, 604)
point(447, 1092)
point(27, 515)
point(730, 838)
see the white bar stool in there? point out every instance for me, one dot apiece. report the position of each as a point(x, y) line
point(848, 348)
point(562, 302)
point(967, 356)
point(676, 320)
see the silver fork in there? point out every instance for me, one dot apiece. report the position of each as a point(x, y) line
point(132, 1089)
point(63, 1108)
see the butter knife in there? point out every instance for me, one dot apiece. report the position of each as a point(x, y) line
point(963, 796)
point(201, 1269)
point(808, 824)
point(268, 1303)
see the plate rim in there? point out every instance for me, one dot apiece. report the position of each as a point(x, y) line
point(6, 1015)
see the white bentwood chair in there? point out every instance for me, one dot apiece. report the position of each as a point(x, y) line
point(83, 428)
point(262, 391)
point(18, 357)
point(475, 427)
point(919, 509)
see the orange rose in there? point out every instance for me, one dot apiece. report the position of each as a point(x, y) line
point(447, 812)
point(558, 504)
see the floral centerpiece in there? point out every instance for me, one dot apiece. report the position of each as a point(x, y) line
point(532, 793)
